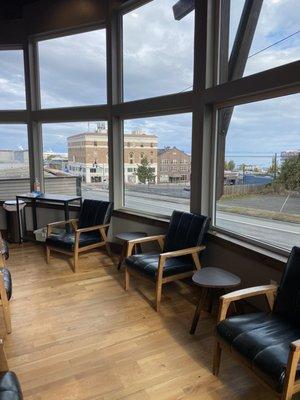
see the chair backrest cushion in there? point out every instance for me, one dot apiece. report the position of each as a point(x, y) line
point(287, 303)
point(186, 230)
point(95, 212)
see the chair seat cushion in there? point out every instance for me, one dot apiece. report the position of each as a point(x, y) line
point(147, 263)
point(263, 340)
point(10, 388)
point(7, 282)
point(67, 240)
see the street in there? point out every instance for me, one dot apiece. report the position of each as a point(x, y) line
point(278, 233)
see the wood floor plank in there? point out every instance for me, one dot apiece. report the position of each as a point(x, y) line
point(81, 336)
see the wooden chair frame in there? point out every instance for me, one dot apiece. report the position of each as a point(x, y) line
point(160, 280)
point(3, 358)
point(291, 385)
point(77, 250)
point(3, 298)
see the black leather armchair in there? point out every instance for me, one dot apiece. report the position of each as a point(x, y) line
point(89, 231)
point(179, 256)
point(10, 388)
point(267, 343)
point(5, 284)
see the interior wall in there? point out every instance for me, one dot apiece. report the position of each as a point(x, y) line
point(52, 16)
point(55, 15)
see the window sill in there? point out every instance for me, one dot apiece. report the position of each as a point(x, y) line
point(141, 217)
point(267, 257)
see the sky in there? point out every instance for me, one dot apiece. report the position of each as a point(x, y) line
point(158, 59)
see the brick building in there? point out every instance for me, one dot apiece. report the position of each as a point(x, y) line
point(88, 154)
point(174, 165)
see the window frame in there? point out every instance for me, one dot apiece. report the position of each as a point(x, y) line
point(210, 91)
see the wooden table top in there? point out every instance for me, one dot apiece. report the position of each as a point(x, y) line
point(213, 277)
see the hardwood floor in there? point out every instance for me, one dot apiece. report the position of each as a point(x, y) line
point(82, 337)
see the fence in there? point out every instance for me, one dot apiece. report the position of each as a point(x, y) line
point(69, 185)
point(241, 190)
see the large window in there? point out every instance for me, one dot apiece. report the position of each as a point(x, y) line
point(277, 36)
point(14, 164)
point(157, 51)
point(12, 83)
point(260, 194)
point(157, 163)
point(75, 157)
point(73, 70)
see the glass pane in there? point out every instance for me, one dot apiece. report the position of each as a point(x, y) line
point(14, 164)
point(277, 36)
point(158, 51)
point(261, 190)
point(157, 163)
point(12, 83)
point(73, 70)
point(76, 159)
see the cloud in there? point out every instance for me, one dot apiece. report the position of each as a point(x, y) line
point(12, 85)
point(158, 59)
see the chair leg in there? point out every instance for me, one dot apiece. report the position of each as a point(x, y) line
point(290, 374)
point(75, 260)
point(5, 305)
point(158, 295)
point(47, 254)
point(127, 279)
point(217, 358)
point(6, 315)
point(108, 249)
point(286, 396)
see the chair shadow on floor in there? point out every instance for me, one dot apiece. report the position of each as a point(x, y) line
point(178, 305)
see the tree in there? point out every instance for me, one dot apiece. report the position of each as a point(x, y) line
point(289, 176)
point(145, 172)
point(229, 165)
point(274, 168)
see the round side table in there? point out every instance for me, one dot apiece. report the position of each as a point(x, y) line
point(125, 237)
point(211, 278)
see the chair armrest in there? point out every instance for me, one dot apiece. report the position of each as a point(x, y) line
point(69, 221)
point(147, 239)
point(183, 252)
point(225, 300)
point(295, 345)
point(91, 228)
point(157, 238)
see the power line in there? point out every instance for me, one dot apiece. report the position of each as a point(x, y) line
point(273, 44)
point(257, 52)
point(183, 90)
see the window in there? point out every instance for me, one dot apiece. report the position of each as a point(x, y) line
point(259, 194)
point(14, 161)
point(72, 164)
point(12, 83)
point(151, 188)
point(277, 37)
point(73, 70)
point(157, 51)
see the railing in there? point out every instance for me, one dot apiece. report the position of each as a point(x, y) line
point(69, 185)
